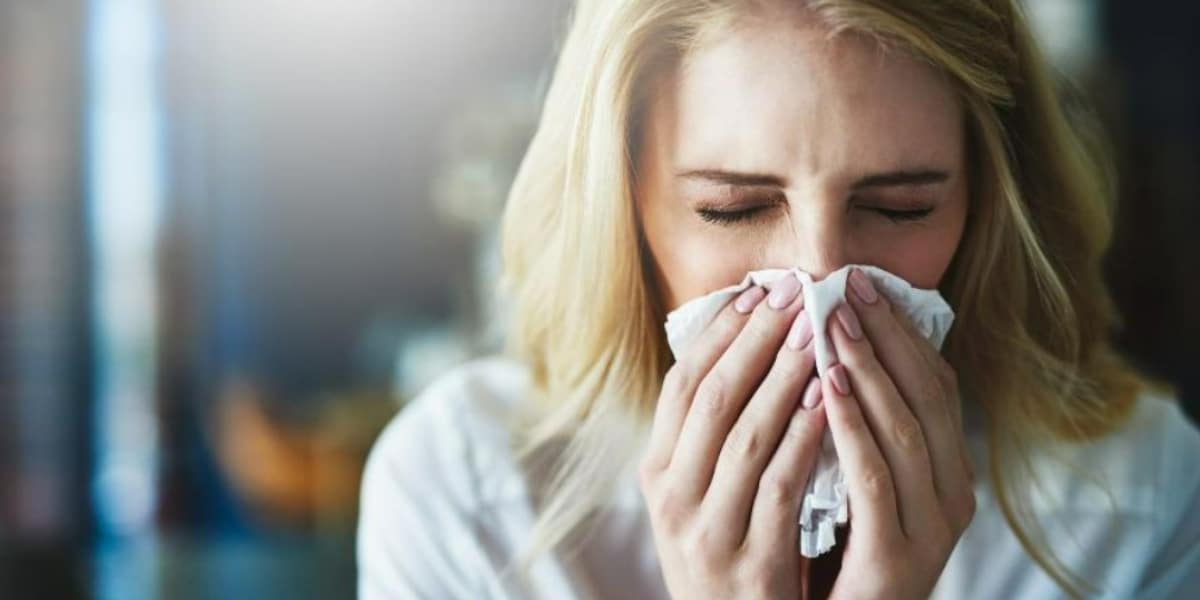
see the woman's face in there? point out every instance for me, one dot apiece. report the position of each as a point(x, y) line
point(774, 146)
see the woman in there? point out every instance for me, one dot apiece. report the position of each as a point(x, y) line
point(685, 143)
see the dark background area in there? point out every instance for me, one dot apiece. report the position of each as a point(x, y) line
point(188, 417)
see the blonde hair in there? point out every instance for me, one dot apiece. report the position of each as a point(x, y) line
point(1034, 319)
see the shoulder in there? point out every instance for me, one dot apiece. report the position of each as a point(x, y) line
point(443, 434)
point(1164, 439)
point(1160, 475)
point(1166, 436)
point(1117, 512)
point(1154, 451)
point(438, 461)
point(1145, 464)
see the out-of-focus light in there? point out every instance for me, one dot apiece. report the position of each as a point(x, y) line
point(130, 492)
point(1066, 30)
point(124, 174)
point(125, 182)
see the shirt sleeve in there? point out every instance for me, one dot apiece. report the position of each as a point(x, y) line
point(415, 534)
point(1174, 572)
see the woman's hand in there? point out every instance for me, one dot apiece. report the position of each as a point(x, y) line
point(895, 418)
point(731, 450)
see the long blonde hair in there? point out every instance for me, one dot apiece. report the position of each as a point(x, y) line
point(1034, 319)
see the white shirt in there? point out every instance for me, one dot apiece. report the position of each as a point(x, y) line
point(445, 508)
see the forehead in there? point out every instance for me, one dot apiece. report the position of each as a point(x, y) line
point(780, 95)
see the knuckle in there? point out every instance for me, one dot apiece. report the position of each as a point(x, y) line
point(790, 367)
point(760, 579)
point(850, 420)
point(860, 356)
point(761, 329)
point(727, 325)
point(743, 442)
point(702, 545)
point(777, 489)
point(661, 503)
point(668, 510)
point(799, 428)
point(711, 396)
point(677, 381)
point(909, 435)
point(877, 482)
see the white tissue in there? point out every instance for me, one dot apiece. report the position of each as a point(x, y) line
point(824, 504)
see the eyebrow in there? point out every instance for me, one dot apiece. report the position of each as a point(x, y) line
point(901, 178)
point(734, 178)
point(874, 180)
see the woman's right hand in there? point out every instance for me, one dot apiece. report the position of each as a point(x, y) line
point(736, 433)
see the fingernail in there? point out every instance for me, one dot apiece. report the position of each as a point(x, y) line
point(784, 292)
point(837, 375)
point(749, 299)
point(801, 333)
point(812, 394)
point(849, 322)
point(863, 287)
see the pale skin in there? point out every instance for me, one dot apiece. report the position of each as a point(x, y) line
point(833, 152)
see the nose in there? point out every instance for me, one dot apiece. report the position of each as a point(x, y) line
point(818, 240)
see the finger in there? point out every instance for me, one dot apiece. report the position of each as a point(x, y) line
point(945, 373)
point(869, 481)
point(897, 432)
point(775, 510)
point(933, 357)
point(752, 441)
point(904, 358)
point(723, 392)
point(949, 381)
point(679, 384)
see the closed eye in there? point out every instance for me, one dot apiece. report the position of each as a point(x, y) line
point(902, 215)
point(728, 217)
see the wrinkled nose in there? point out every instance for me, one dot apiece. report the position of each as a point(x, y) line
point(818, 240)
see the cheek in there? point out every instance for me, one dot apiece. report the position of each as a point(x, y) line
point(689, 259)
point(920, 262)
point(689, 264)
point(920, 256)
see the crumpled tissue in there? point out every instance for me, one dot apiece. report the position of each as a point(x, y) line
point(824, 504)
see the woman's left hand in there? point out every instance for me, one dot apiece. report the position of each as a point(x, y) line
point(894, 414)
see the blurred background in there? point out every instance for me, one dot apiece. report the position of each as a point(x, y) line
point(237, 235)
